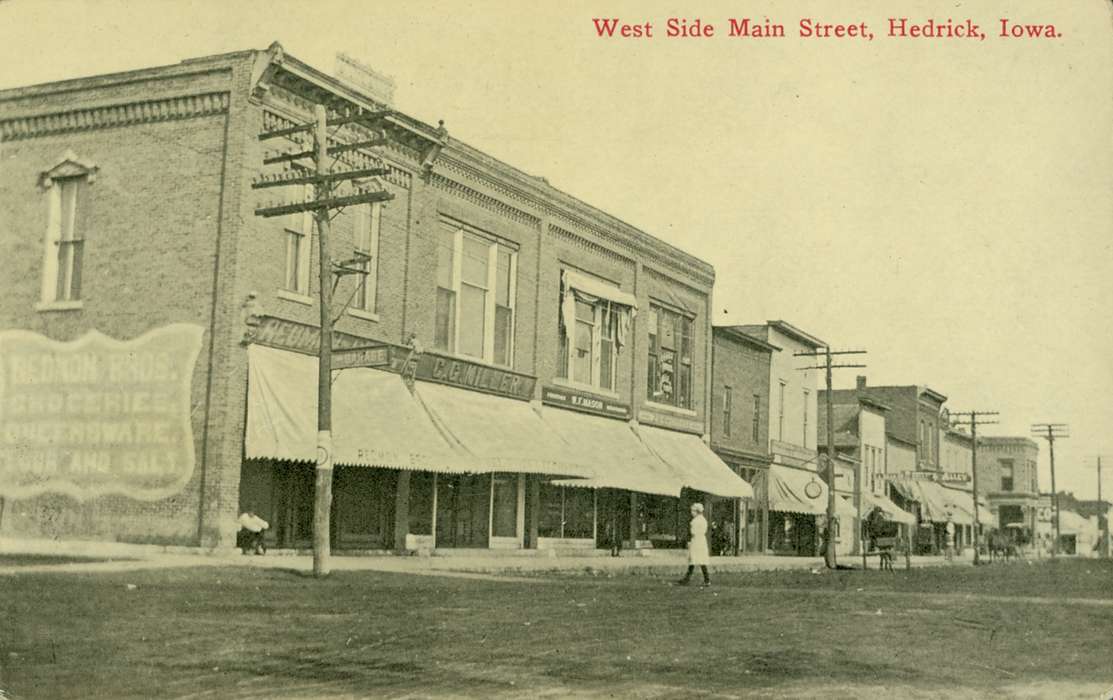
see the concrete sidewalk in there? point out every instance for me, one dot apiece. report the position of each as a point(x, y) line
point(129, 557)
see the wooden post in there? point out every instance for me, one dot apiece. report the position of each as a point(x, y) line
point(323, 500)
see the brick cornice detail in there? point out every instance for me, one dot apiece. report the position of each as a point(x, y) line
point(107, 116)
point(637, 243)
point(485, 201)
point(580, 241)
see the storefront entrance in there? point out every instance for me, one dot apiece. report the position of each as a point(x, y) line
point(463, 512)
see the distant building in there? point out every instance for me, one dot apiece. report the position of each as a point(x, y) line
point(861, 448)
point(1008, 478)
point(740, 371)
point(797, 492)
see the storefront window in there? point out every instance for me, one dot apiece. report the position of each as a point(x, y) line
point(566, 512)
point(504, 513)
point(579, 512)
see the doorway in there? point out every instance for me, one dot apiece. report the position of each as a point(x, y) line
point(463, 510)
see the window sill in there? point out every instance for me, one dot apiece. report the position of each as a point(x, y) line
point(469, 358)
point(687, 412)
point(295, 296)
point(560, 381)
point(365, 315)
point(60, 305)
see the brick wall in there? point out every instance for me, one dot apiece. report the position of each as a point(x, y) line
point(745, 369)
point(149, 256)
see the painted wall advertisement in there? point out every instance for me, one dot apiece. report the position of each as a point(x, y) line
point(97, 415)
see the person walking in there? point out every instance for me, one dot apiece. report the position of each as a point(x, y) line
point(697, 547)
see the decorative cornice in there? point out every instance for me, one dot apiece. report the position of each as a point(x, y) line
point(484, 201)
point(673, 282)
point(580, 241)
point(634, 241)
point(108, 116)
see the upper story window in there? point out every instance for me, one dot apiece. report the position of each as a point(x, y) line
point(368, 220)
point(670, 358)
point(728, 409)
point(1034, 477)
point(594, 319)
point(755, 419)
point(476, 286)
point(806, 395)
point(299, 244)
point(1006, 474)
point(67, 187)
point(781, 411)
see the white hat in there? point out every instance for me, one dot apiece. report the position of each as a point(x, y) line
point(697, 507)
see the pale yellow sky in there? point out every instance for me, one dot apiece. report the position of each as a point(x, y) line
point(945, 204)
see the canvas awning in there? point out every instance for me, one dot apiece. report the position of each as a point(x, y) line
point(499, 434)
point(792, 491)
point(375, 420)
point(597, 289)
point(620, 459)
point(889, 510)
point(964, 502)
point(939, 504)
point(693, 463)
point(1071, 523)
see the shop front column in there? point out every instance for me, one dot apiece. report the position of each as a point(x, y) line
point(402, 510)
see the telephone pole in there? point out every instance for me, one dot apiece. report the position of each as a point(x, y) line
point(1103, 517)
point(974, 422)
point(1052, 432)
point(354, 134)
point(827, 353)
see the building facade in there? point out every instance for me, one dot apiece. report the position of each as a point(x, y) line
point(796, 493)
point(1008, 478)
point(740, 368)
point(524, 369)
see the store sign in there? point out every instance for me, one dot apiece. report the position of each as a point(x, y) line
point(374, 356)
point(298, 337)
point(561, 396)
point(952, 477)
point(473, 375)
point(97, 416)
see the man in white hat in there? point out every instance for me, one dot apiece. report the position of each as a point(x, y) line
point(697, 547)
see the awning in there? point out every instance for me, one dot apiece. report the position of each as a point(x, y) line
point(620, 459)
point(597, 288)
point(889, 510)
point(693, 462)
point(499, 434)
point(375, 420)
point(964, 502)
point(940, 504)
point(1071, 523)
point(792, 491)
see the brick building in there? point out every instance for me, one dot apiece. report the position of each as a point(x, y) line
point(1008, 478)
point(740, 367)
point(545, 366)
